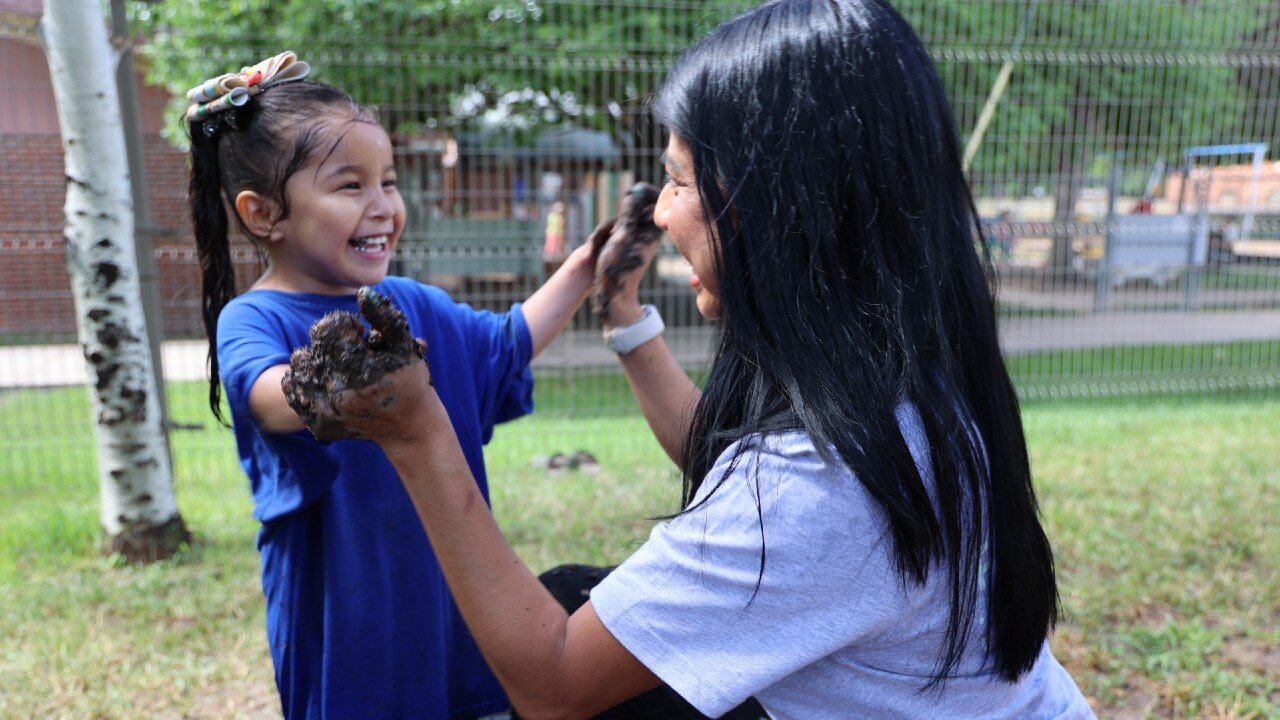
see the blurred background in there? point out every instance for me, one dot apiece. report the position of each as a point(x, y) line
point(1123, 156)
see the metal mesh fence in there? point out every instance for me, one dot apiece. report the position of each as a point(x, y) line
point(1122, 153)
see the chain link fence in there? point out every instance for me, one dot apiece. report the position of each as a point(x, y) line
point(1123, 155)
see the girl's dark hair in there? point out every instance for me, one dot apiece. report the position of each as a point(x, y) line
point(850, 283)
point(258, 147)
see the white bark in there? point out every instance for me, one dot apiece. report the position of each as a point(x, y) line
point(135, 476)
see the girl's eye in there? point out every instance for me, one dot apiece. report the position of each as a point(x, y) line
point(351, 186)
point(389, 183)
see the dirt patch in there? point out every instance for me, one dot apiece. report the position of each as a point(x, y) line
point(1136, 705)
point(245, 698)
point(1252, 654)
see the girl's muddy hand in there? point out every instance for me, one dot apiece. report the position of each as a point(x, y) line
point(628, 244)
point(349, 385)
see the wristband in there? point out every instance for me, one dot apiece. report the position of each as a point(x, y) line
point(626, 338)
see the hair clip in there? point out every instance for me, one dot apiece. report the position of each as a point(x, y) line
point(233, 90)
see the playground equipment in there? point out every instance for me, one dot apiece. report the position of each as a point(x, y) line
point(1163, 248)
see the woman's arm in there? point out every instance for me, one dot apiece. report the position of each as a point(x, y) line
point(666, 395)
point(377, 386)
point(551, 665)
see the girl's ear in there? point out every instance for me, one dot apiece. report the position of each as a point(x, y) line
point(259, 215)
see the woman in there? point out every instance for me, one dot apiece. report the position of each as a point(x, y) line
point(860, 534)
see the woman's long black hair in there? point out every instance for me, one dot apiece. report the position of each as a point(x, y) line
point(256, 147)
point(827, 160)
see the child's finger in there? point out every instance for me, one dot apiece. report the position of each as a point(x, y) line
point(636, 213)
point(390, 329)
point(600, 236)
point(303, 387)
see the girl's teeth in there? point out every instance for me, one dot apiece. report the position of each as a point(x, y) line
point(370, 244)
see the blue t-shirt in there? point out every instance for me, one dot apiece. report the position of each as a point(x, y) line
point(359, 618)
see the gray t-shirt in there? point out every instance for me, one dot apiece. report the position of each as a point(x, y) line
point(833, 631)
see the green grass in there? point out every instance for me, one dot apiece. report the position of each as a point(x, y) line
point(1008, 311)
point(1162, 513)
point(18, 339)
point(1147, 369)
point(1243, 277)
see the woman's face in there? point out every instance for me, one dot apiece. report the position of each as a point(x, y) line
point(679, 213)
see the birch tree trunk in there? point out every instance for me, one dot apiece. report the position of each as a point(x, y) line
point(139, 514)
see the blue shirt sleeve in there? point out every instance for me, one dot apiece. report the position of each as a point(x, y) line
point(502, 347)
point(248, 346)
point(286, 472)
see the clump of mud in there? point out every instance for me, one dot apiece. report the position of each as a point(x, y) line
point(342, 357)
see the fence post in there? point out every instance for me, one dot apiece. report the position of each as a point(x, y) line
point(1199, 230)
point(1102, 278)
point(127, 84)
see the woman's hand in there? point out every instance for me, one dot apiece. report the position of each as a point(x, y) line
point(375, 387)
point(624, 248)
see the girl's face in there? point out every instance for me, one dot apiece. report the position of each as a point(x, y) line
point(345, 217)
point(679, 213)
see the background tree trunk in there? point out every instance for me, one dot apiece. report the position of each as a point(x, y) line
point(1066, 194)
point(139, 513)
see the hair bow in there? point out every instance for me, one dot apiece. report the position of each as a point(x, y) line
point(233, 90)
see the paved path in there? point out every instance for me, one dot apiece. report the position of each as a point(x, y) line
point(48, 365)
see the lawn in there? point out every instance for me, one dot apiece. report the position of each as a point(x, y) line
point(1161, 511)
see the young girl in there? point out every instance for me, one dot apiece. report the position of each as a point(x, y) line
point(359, 619)
point(860, 535)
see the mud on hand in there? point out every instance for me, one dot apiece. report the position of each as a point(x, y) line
point(623, 245)
point(343, 386)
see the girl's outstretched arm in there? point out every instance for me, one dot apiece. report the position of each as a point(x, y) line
point(550, 664)
point(549, 308)
point(267, 403)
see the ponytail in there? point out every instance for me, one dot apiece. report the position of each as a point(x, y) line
point(213, 246)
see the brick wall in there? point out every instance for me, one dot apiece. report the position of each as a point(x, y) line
point(35, 290)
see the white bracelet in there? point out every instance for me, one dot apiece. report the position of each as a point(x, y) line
point(626, 338)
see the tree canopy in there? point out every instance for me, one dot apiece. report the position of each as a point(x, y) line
point(1146, 77)
point(429, 63)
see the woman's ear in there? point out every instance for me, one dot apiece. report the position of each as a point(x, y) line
point(259, 215)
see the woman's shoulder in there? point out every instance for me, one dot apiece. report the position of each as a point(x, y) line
point(773, 459)
point(793, 455)
point(797, 443)
point(787, 444)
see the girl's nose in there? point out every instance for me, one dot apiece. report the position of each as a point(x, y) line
point(381, 205)
point(662, 208)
